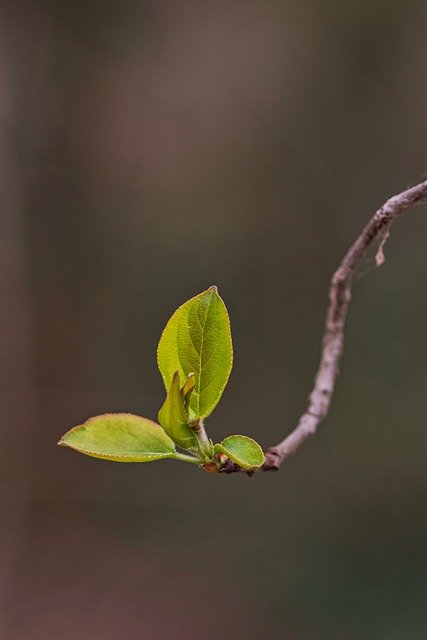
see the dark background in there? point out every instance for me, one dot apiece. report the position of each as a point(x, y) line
point(147, 151)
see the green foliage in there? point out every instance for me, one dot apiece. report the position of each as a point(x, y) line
point(243, 450)
point(197, 339)
point(195, 356)
point(173, 416)
point(120, 437)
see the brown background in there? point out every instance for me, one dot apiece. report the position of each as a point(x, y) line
point(147, 151)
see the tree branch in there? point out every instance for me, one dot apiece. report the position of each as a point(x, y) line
point(333, 337)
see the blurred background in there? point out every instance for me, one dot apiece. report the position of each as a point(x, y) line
point(147, 151)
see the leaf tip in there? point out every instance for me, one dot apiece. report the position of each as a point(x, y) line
point(213, 289)
point(62, 442)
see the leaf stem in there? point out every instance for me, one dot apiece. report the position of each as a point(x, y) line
point(205, 444)
point(182, 456)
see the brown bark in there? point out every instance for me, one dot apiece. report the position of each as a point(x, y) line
point(333, 338)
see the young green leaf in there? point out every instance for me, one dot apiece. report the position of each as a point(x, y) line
point(197, 339)
point(189, 385)
point(120, 437)
point(242, 450)
point(173, 416)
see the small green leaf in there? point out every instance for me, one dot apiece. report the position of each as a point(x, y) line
point(197, 339)
point(173, 417)
point(120, 437)
point(242, 450)
point(189, 385)
point(188, 389)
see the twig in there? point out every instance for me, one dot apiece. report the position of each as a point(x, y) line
point(333, 338)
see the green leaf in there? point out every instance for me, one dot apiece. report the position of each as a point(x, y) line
point(189, 385)
point(242, 450)
point(120, 437)
point(197, 339)
point(173, 417)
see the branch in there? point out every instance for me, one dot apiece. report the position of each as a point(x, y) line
point(333, 337)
